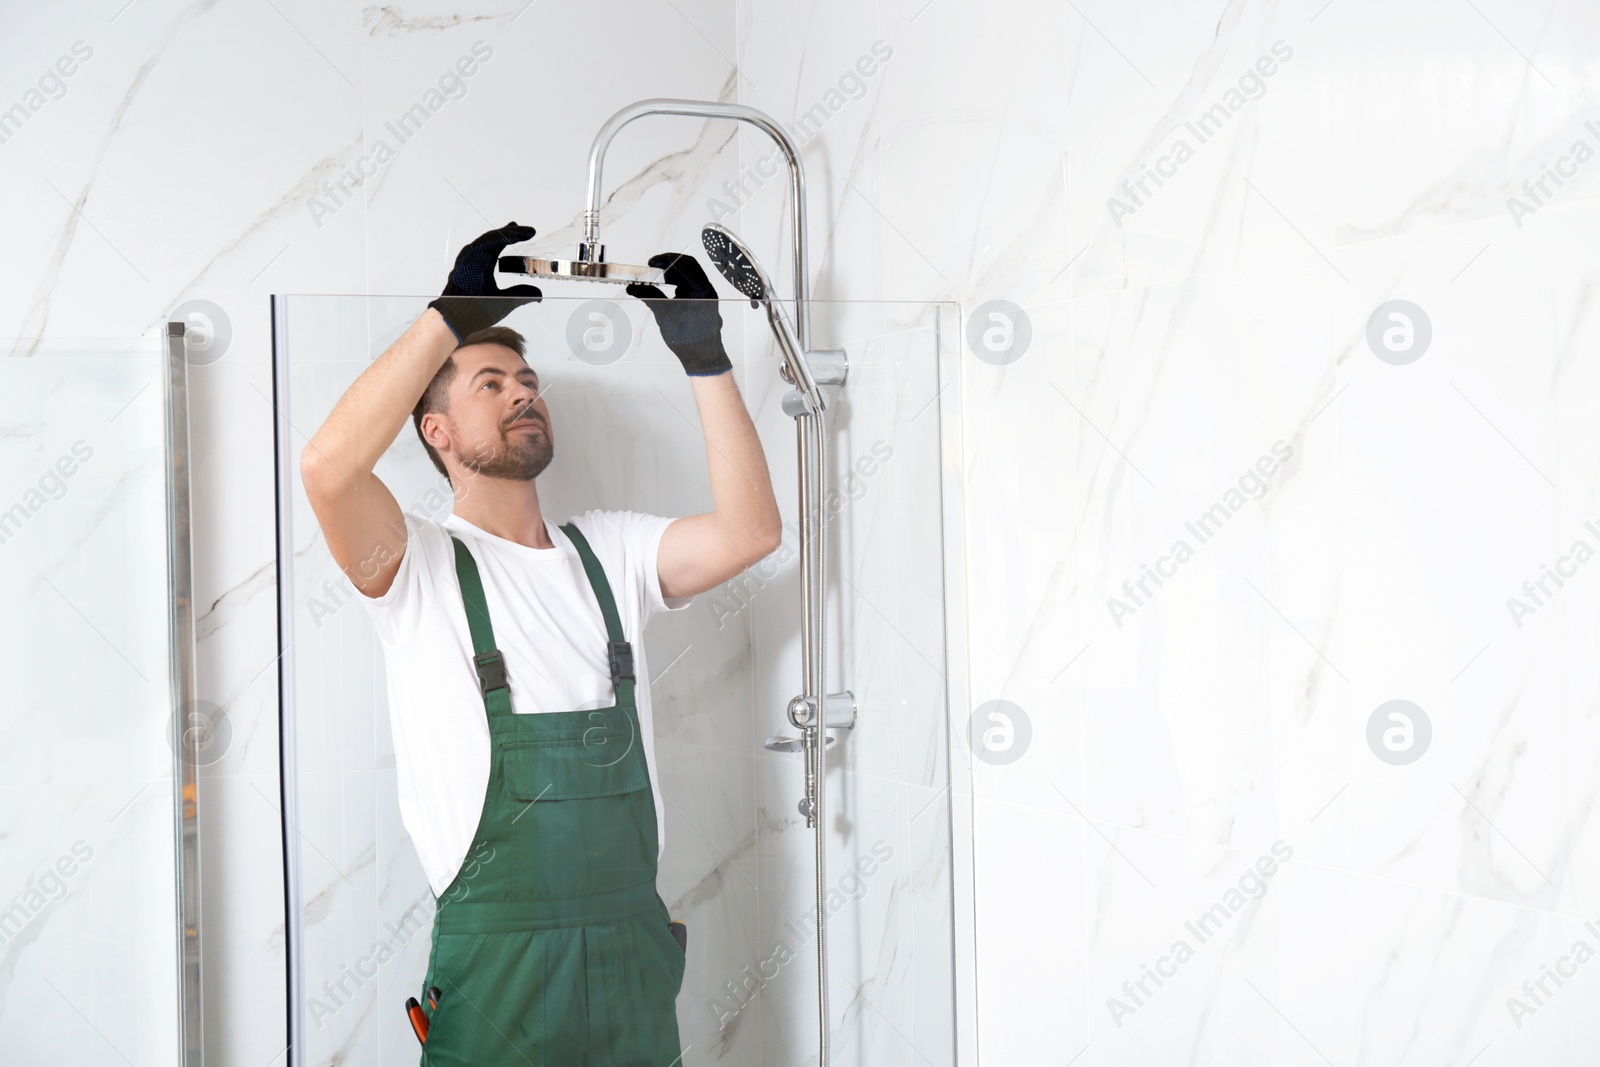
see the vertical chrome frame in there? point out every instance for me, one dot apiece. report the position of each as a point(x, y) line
point(181, 670)
point(288, 772)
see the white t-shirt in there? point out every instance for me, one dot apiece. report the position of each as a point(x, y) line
point(547, 624)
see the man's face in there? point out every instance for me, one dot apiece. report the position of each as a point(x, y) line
point(498, 424)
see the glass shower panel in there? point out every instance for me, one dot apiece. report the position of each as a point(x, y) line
point(89, 939)
point(738, 867)
point(888, 869)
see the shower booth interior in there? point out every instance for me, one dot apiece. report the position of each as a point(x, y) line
point(803, 728)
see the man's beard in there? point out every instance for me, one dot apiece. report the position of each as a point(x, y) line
point(521, 460)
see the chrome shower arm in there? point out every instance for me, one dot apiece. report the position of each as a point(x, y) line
point(710, 109)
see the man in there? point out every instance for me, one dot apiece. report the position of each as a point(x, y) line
point(518, 693)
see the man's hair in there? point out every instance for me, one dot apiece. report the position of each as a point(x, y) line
point(436, 397)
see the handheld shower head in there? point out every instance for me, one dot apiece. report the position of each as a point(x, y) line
point(735, 263)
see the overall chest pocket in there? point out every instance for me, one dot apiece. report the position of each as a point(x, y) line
point(582, 817)
point(573, 769)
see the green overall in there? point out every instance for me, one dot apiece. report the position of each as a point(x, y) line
point(551, 946)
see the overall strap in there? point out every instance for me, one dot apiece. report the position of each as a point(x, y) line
point(619, 653)
point(487, 658)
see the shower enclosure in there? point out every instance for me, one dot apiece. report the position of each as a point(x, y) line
point(740, 862)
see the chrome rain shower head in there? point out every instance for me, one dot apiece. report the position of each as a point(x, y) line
point(735, 263)
point(582, 270)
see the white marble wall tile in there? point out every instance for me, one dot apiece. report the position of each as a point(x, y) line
point(1229, 313)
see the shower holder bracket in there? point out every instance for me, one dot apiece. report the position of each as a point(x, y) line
point(829, 366)
point(840, 707)
point(796, 404)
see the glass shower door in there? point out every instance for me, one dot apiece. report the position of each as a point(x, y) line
point(738, 865)
point(89, 933)
point(888, 806)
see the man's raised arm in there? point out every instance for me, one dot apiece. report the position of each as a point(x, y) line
point(359, 516)
point(699, 552)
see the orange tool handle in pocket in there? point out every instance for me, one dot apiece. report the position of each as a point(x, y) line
point(419, 1019)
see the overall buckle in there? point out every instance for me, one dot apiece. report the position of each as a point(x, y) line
point(619, 655)
point(491, 670)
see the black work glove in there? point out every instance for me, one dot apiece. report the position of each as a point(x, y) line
point(690, 323)
point(473, 277)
